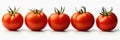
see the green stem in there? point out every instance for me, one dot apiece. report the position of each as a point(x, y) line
point(36, 11)
point(105, 13)
point(59, 11)
point(82, 10)
point(12, 12)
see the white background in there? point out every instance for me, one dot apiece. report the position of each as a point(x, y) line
point(93, 6)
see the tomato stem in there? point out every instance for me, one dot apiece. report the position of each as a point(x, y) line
point(36, 11)
point(59, 11)
point(82, 10)
point(12, 12)
point(106, 13)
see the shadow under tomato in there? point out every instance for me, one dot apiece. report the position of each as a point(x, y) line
point(87, 30)
point(31, 30)
point(37, 30)
point(13, 30)
point(115, 30)
point(59, 31)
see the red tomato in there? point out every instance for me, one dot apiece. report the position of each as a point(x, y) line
point(59, 21)
point(12, 20)
point(106, 21)
point(36, 20)
point(82, 20)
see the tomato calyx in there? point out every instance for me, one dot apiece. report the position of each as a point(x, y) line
point(59, 11)
point(106, 13)
point(12, 12)
point(82, 10)
point(36, 11)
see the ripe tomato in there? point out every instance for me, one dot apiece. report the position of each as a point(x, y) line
point(36, 20)
point(59, 21)
point(106, 21)
point(82, 20)
point(12, 20)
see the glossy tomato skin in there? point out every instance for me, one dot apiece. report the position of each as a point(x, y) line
point(36, 22)
point(59, 22)
point(12, 23)
point(106, 23)
point(82, 22)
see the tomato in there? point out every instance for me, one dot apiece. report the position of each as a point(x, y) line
point(106, 21)
point(12, 20)
point(82, 20)
point(36, 20)
point(59, 21)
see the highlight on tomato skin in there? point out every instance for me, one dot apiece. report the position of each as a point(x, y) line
point(59, 21)
point(12, 20)
point(107, 20)
point(36, 20)
point(82, 20)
